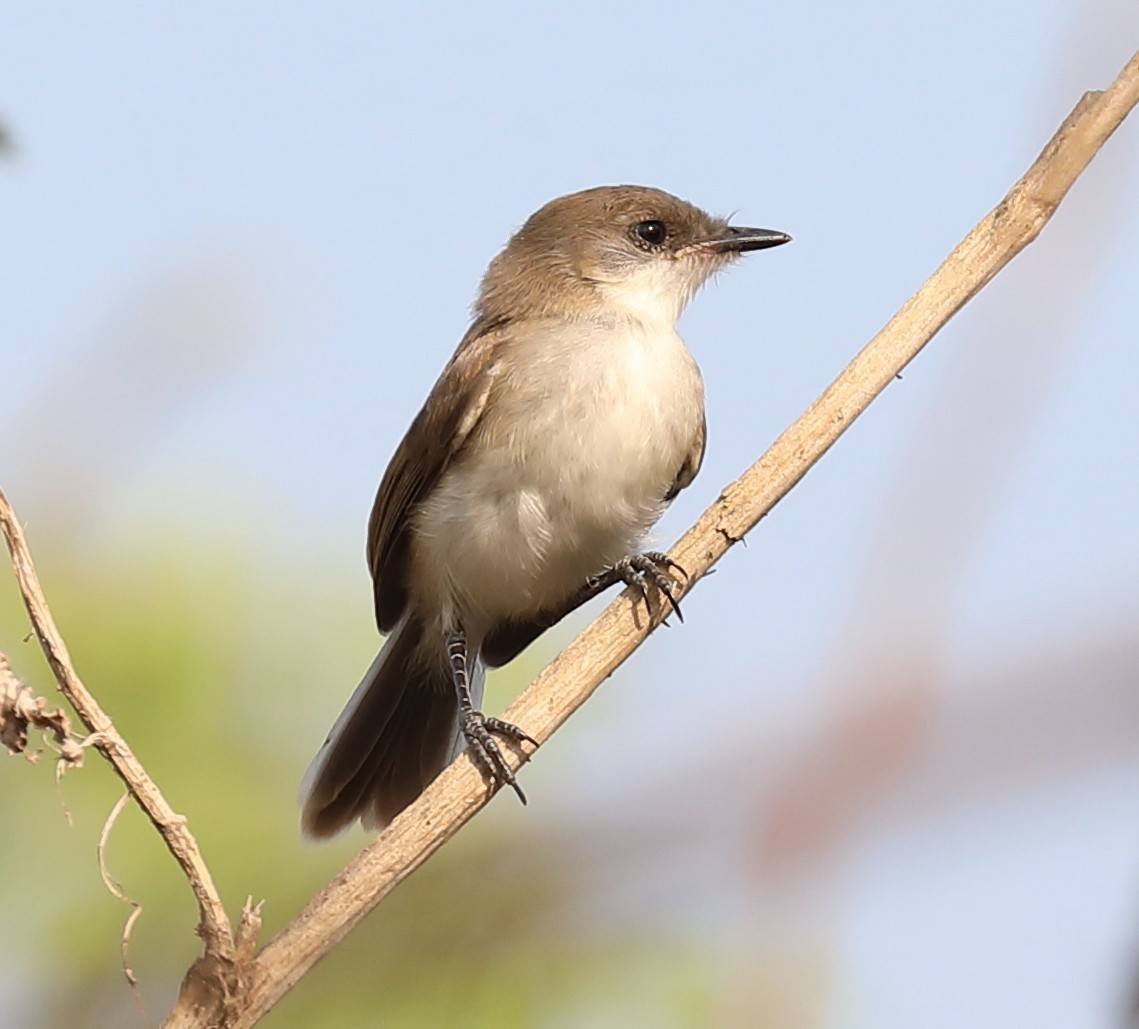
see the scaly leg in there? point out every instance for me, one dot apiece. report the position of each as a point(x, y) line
point(477, 729)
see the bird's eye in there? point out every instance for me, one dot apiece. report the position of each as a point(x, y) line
point(650, 233)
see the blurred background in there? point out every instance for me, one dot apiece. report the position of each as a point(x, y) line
point(886, 773)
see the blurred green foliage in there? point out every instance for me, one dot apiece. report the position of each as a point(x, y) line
point(223, 675)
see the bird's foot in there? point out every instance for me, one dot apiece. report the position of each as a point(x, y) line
point(479, 732)
point(639, 571)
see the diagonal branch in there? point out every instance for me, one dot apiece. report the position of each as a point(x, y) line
point(457, 795)
point(213, 925)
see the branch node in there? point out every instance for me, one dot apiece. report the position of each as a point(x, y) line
point(728, 538)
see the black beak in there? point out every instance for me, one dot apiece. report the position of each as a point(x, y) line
point(738, 240)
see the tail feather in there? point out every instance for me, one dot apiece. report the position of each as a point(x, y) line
point(395, 735)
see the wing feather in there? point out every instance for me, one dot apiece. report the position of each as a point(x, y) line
point(692, 462)
point(452, 410)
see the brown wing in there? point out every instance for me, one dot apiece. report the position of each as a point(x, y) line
point(691, 464)
point(436, 435)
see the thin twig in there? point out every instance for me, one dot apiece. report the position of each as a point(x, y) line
point(213, 925)
point(117, 892)
point(567, 683)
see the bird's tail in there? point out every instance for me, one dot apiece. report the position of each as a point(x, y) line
point(398, 731)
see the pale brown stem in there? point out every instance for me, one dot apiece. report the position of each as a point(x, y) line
point(568, 682)
point(213, 925)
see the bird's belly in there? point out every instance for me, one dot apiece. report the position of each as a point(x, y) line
point(565, 476)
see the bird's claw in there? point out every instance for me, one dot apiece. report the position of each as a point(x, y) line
point(479, 732)
point(638, 570)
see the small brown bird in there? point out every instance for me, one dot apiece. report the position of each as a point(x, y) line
point(568, 418)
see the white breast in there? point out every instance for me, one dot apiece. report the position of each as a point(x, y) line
point(567, 470)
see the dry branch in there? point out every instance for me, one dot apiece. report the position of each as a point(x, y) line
point(568, 682)
point(213, 925)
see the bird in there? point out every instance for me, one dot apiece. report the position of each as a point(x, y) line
point(568, 418)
